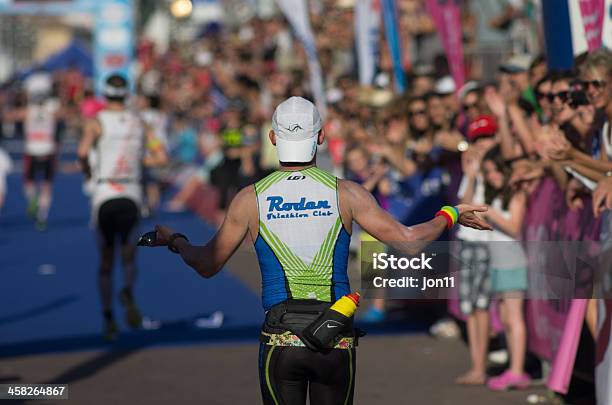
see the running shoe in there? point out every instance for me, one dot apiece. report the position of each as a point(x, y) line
point(373, 315)
point(41, 225)
point(445, 328)
point(508, 380)
point(32, 208)
point(132, 314)
point(110, 330)
point(500, 356)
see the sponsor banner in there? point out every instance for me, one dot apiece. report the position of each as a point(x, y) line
point(592, 12)
point(446, 15)
point(607, 25)
point(394, 42)
point(113, 40)
point(367, 36)
point(296, 12)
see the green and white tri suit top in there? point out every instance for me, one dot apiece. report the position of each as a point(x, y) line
point(302, 246)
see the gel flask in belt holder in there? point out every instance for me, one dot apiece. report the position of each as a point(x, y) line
point(332, 322)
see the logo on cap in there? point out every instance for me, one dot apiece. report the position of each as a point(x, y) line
point(294, 127)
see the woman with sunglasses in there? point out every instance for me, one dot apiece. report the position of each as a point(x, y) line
point(542, 89)
point(573, 130)
point(595, 74)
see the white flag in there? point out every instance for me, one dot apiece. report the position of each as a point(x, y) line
point(367, 35)
point(296, 12)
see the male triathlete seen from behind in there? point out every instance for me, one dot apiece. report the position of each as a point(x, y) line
point(299, 219)
point(40, 117)
point(122, 145)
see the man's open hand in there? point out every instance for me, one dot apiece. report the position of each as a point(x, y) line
point(468, 216)
point(163, 235)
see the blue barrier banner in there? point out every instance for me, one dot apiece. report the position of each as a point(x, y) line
point(50, 7)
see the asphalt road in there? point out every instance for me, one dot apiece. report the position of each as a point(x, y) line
point(399, 369)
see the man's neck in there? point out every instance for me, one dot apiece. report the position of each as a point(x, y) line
point(292, 168)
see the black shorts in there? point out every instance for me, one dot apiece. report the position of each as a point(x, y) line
point(288, 374)
point(35, 165)
point(226, 177)
point(117, 218)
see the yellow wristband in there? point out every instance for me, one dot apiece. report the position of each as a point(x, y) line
point(452, 211)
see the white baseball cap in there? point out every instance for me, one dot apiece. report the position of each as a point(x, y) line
point(296, 123)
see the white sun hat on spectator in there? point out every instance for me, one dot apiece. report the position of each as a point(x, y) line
point(466, 88)
point(345, 3)
point(296, 123)
point(516, 64)
point(445, 86)
point(38, 84)
point(334, 95)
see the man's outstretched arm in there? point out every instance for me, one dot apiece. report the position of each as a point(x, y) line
point(380, 224)
point(207, 260)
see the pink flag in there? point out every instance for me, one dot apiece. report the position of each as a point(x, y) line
point(563, 363)
point(446, 15)
point(592, 17)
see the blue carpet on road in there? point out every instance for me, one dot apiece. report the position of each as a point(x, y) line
point(48, 283)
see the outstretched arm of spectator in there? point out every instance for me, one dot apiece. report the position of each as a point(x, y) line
point(586, 171)
point(587, 161)
point(407, 167)
point(378, 172)
point(559, 174)
point(497, 105)
point(513, 225)
point(560, 150)
point(470, 164)
point(521, 128)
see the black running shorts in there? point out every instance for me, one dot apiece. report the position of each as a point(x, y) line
point(117, 219)
point(35, 165)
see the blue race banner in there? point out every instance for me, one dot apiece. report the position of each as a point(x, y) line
point(113, 40)
point(558, 35)
point(394, 42)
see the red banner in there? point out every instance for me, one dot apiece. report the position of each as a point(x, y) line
point(592, 17)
